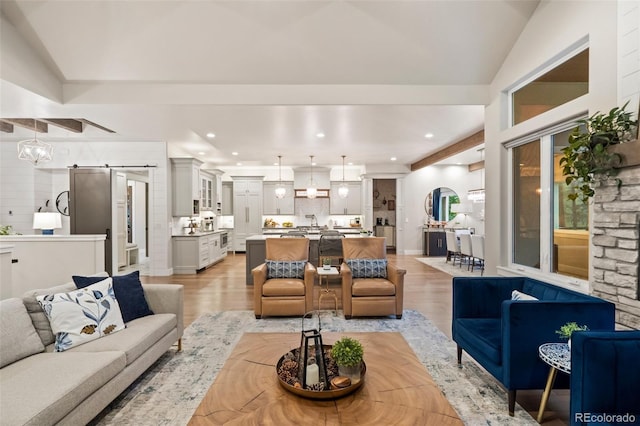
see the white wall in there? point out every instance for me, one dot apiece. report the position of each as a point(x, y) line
point(416, 187)
point(553, 28)
point(25, 187)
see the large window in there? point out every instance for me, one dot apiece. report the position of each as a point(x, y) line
point(559, 85)
point(550, 233)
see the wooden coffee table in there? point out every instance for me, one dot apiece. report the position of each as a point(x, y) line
point(397, 388)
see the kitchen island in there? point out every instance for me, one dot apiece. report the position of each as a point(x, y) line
point(256, 251)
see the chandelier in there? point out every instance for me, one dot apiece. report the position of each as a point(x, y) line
point(312, 191)
point(281, 191)
point(343, 190)
point(35, 150)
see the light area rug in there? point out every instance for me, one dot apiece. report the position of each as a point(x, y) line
point(442, 264)
point(170, 391)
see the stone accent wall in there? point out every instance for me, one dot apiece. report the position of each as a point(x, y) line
point(616, 246)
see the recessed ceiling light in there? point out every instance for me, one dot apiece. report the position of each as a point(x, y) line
point(459, 164)
point(201, 153)
point(238, 164)
point(393, 158)
point(314, 163)
point(349, 163)
point(211, 135)
point(320, 135)
point(428, 135)
point(234, 153)
point(275, 164)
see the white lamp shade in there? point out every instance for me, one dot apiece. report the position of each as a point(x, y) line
point(47, 220)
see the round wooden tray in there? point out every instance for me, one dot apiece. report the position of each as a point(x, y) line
point(326, 394)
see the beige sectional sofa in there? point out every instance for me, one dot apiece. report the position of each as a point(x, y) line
point(42, 387)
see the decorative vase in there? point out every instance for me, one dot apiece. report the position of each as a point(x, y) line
point(326, 266)
point(352, 372)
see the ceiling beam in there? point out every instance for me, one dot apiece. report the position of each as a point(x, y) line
point(91, 123)
point(458, 147)
point(6, 127)
point(75, 126)
point(32, 124)
point(476, 166)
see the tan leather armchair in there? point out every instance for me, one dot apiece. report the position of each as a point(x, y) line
point(283, 296)
point(364, 297)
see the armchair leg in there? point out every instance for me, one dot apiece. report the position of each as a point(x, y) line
point(459, 350)
point(180, 344)
point(399, 316)
point(512, 401)
point(347, 317)
point(258, 316)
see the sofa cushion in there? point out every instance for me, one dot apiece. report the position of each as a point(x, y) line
point(43, 388)
point(372, 287)
point(517, 295)
point(82, 315)
point(134, 340)
point(285, 269)
point(18, 337)
point(129, 293)
point(484, 334)
point(38, 317)
point(283, 287)
point(368, 268)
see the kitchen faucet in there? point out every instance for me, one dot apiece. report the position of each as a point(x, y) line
point(313, 218)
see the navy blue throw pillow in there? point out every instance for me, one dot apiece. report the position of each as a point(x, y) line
point(129, 294)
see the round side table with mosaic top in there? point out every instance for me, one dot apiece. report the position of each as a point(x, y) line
point(558, 357)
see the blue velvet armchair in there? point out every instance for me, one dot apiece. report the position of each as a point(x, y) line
point(605, 378)
point(503, 335)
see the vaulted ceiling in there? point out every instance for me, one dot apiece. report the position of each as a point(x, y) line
point(266, 76)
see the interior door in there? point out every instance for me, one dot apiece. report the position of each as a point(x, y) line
point(90, 206)
point(121, 217)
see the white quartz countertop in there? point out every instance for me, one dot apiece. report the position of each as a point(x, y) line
point(51, 238)
point(200, 234)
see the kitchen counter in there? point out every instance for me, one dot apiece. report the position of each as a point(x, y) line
point(283, 230)
point(200, 234)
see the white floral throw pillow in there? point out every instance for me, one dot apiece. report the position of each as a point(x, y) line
point(82, 315)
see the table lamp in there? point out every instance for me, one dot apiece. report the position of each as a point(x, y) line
point(47, 221)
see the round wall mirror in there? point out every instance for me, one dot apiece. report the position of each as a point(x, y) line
point(62, 203)
point(438, 202)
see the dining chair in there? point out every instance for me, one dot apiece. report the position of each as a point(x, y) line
point(453, 249)
point(466, 251)
point(477, 247)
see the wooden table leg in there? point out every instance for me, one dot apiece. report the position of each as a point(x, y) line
point(547, 391)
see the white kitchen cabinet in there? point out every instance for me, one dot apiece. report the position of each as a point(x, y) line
point(185, 177)
point(277, 206)
point(350, 205)
point(227, 198)
point(192, 253)
point(206, 191)
point(247, 209)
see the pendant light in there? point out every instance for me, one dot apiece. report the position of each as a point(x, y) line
point(281, 191)
point(343, 190)
point(34, 150)
point(312, 191)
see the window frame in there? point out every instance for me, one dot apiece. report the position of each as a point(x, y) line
point(545, 272)
point(554, 62)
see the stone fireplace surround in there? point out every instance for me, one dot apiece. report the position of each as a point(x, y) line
point(616, 246)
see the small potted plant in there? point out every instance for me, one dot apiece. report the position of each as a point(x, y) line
point(326, 263)
point(347, 353)
point(587, 160)
point(567, 329)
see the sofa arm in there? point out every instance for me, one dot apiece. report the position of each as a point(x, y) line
point(528, 324)
point(481, 297)
point(346, 277)
point(259, 278)
point(166, 299)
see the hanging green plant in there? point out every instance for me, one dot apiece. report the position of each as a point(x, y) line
point(586, 161)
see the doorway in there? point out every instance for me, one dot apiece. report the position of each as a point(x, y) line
point(384, 211)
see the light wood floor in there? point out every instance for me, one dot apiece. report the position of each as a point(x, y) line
point(427, 290)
